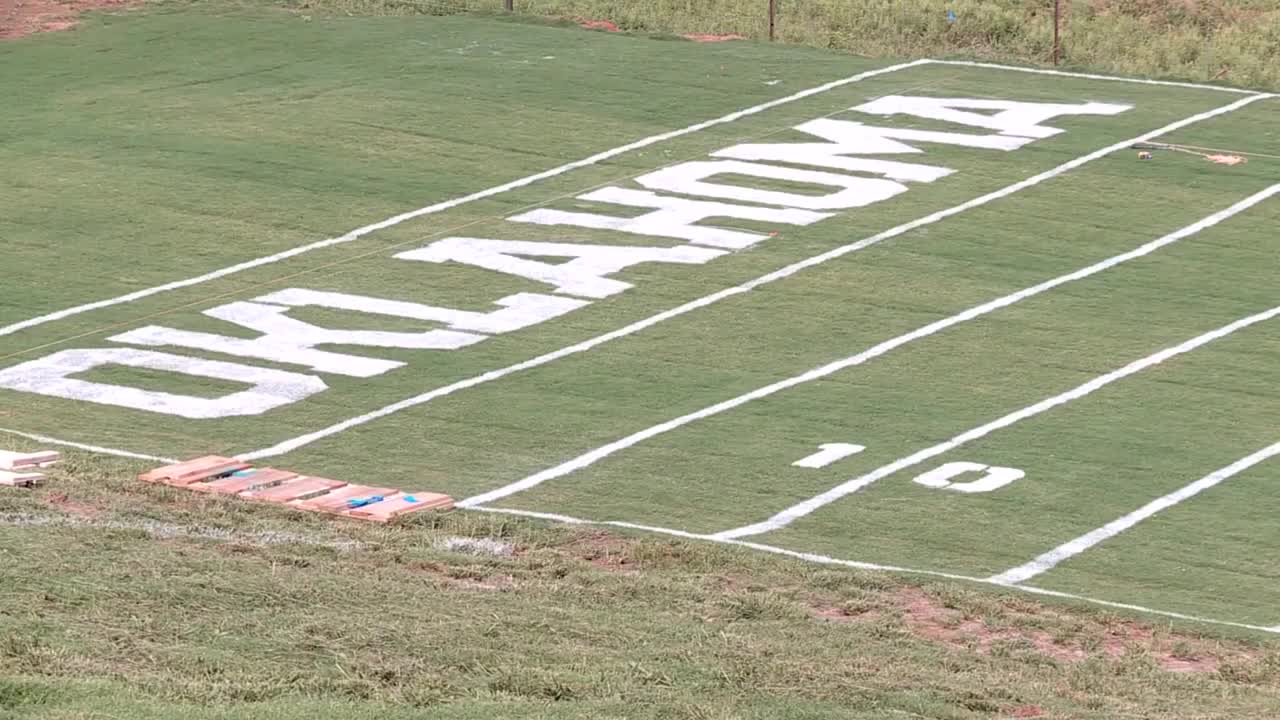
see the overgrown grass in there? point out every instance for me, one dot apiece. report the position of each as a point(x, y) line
point(1234, 41)
point(99, 615)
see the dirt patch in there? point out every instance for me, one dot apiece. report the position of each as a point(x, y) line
point(599, 25)
point(928, 617)
point(19, 18)
point(62, 502)
point(602, 550)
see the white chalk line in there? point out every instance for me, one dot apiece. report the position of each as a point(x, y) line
point(1049, 560)
point(163, 531)
point(600, 453)
point(826, 560)
point(1090, 76)
point(450, 204)
point(799, 510)
point(812, 261)
point(89, 448)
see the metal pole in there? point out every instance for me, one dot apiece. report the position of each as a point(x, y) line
point(1057, 24)
point(773, 15)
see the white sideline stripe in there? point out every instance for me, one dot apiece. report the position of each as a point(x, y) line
point(799, 510)
point(1049, 560)
point(307, 439)
point(90, 448)
point(825, 560)
point(604, 451)
point(449, 204)
point(1089, 76)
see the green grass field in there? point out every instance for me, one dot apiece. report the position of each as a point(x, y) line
point(197, 141)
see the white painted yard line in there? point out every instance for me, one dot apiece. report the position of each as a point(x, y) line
point(826, 560)
point(799, 510)
point(1089, 76)
point(90, 448)
point(812, 261)
point(450, 204)
point(876, 351)
point(1052, 558)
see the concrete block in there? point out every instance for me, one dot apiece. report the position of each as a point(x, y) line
point(17, 461)
point(18, 479)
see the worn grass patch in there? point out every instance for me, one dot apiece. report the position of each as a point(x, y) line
point(97, 617)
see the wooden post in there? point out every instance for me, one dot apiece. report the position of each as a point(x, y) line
point(509, 5)
point(773, 17)
point(1057, 26)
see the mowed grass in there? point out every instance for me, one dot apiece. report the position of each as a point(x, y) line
point(183, 156)
point(127, 608)
point(209, 136)
point(1087, 463)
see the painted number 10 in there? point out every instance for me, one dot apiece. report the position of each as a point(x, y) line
point(941, 478)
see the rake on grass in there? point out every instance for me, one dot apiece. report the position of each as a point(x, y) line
point(1222, 157)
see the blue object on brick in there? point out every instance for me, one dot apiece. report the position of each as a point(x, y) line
point(361, 502)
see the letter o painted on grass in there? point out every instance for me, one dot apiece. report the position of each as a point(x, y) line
point(270, 389)
point(690, 178)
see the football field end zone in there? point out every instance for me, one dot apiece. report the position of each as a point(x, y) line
point(812, 261)
point(560, 170)
point(1251, 96)
point(859, 565)
point(456, 202)
point(808, 262)
point(589, 458)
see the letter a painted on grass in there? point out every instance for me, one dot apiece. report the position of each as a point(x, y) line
point(1020, 119)
point(584, 275)
point(673, 217)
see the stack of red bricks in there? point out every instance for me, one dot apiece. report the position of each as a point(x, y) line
point(18, 469)
point(228, 476)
